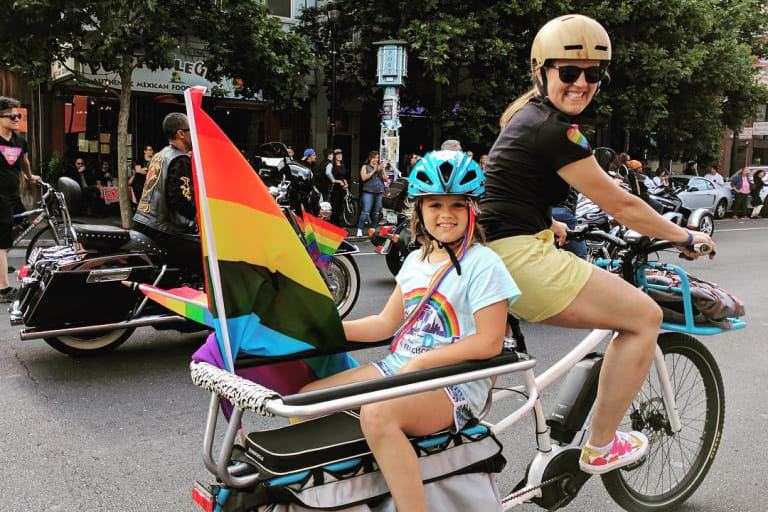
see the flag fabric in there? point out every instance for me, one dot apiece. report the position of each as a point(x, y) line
point(322, 239)
point(187, 302)
point(267, 297)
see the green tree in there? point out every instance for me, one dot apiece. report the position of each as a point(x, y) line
point(681, 68)
point(237, 38)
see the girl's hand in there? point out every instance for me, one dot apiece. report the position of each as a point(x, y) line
point(413, 365)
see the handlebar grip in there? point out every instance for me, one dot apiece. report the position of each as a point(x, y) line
point(702, 248)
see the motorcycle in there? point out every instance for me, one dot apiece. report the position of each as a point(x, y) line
point(73, 298)
point(590, 215)
point(290, 183)
point(392, 238)
point(700, 219)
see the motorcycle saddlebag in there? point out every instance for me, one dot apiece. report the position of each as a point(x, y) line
point(86, 292)
point(334, 470)
point(394, 195)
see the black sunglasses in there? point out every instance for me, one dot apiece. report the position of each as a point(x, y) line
point(569, 74)
point(12, 117)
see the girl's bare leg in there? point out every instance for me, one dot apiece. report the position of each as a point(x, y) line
point(384, 425)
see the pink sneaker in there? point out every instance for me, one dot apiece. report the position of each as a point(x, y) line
point(627, 447)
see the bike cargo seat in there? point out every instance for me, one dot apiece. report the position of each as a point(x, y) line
point(329, 440)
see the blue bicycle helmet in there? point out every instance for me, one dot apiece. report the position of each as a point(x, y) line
point(446, 172)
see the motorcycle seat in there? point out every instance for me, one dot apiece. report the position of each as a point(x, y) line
point(95, 236)
point(113, 238)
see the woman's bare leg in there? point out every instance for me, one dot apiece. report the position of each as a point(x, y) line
point(608, 302)
point(385, 424)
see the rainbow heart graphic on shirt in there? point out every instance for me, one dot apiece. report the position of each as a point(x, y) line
point(11, 153)
point(575, 136)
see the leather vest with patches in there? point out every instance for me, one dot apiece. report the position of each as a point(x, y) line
point(153, 209)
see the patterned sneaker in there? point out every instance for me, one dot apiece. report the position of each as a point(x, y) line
point(627, 447)
point(9, 294)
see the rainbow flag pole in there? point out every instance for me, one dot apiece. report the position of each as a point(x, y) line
point(205, 221)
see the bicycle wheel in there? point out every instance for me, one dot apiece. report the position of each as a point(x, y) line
point(676, 463)
point(350, 211)
point(46, 237)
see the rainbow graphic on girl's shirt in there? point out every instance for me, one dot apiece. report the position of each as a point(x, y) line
point(438, 316)
point(575, 136)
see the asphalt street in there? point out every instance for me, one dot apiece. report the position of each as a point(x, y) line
point(123, 431)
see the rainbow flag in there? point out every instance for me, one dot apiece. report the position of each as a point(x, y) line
point(185, 301)
point(267, 297)
point(322, 239)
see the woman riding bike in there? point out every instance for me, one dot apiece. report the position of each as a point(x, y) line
point(539, 153)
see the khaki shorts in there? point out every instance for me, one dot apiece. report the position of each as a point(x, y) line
point(549, 278)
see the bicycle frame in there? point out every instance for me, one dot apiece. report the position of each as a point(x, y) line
point(35, 222)
point(532, 388)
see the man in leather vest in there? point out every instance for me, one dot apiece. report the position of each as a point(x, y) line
point(167, 210)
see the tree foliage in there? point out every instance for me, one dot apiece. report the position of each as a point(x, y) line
point(237, 38)
point(681, 71)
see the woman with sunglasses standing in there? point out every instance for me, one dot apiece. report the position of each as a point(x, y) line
point(539, 154)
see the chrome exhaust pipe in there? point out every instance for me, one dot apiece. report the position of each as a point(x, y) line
point(32, 334)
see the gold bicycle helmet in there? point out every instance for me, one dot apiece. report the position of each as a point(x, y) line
point(572, 36)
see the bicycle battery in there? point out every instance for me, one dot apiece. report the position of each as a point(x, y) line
point(575, 399)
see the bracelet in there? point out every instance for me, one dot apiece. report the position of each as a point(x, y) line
point(690, 238)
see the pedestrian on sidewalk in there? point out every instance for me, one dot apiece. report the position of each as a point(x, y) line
point(373, 174)
point(14, 170)
point(741, 189)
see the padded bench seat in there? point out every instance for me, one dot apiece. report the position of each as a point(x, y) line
point(330, 440)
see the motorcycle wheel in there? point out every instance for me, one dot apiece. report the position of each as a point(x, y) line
point(706, 225)
point(85, 345)
point(343, 279)
point(395, 259)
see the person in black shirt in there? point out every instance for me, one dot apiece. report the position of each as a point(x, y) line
point(538, 156)
point(14, 167)
point(167, 212)
point(139, 174)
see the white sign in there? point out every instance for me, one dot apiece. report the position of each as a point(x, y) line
point(61, 71)
point(760, 128)
point(186, 72)
point(746, 133)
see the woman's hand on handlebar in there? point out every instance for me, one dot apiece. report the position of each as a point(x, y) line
point(698, 239)
point(559, 229)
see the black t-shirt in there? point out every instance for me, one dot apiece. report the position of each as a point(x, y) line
point(11, 157)
point(522, 183)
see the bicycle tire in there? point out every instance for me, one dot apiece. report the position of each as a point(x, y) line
point(45, 238)
point(677, 463)
point(350, 211)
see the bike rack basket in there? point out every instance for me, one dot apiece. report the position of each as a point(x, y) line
point(685, 290)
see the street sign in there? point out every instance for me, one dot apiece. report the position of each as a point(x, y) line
point(760, 128)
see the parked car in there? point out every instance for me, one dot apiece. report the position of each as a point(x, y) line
point(699, 192)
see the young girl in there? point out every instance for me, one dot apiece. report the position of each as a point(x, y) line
point(449, 305)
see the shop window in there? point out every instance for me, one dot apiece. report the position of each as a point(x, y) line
point(281, 8)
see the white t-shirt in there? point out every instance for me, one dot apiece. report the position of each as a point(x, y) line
point(716, 179)
point(449, 315)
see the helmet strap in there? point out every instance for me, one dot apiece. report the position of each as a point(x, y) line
point(541, 83)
